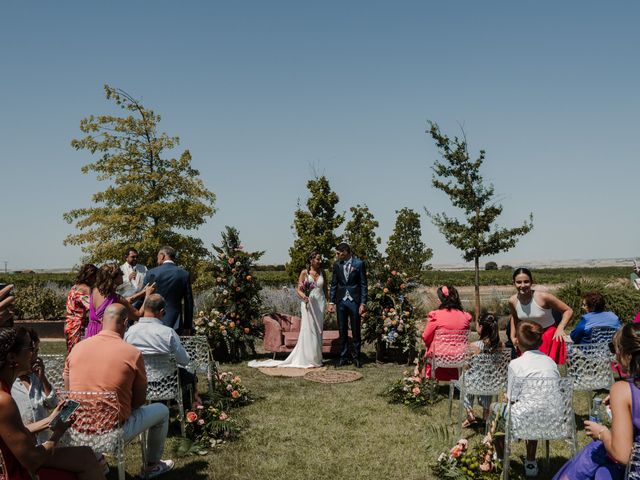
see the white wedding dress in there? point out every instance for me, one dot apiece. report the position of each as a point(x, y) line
point(308, 350)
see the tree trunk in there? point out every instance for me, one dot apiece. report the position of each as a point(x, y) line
point(477, 285)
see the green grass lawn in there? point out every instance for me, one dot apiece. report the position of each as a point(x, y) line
point(304, 430)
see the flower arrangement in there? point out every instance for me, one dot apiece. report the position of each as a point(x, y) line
point(413, 390)
point(233, 324)
point(230, 392)
point(390, 320)
point(465, 462)
point(207, 427)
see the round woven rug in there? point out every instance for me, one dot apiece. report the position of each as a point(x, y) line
point(287, 372)
point(333, 376)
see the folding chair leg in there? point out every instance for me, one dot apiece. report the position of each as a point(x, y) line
point(546, 448)
point(451, 389)
point(121, 471)
point(210, 380)
point(143, 453)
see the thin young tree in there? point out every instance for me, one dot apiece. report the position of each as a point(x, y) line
point(406, 251)
point(459, 177)
point(151, 200)
point(315, 227)
point(360, 234)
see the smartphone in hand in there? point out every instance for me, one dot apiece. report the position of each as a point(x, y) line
point(65, 413)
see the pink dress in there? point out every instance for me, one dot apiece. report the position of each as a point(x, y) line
point(449, 320)
point(96, 314)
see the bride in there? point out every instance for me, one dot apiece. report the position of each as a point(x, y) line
point(308, 350)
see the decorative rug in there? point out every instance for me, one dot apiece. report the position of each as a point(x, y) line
point(333, 376)
point(289, 372)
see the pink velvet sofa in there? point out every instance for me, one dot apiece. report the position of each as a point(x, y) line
point(281, 335)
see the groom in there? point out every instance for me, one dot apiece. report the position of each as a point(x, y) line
point(348, 297)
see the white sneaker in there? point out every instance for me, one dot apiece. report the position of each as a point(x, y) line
point(163, 466)
point(530, 468)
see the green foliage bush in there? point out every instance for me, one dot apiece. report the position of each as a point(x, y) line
point(40, 301)
point(622, 299)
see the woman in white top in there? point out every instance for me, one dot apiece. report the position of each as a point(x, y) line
point(537, 306)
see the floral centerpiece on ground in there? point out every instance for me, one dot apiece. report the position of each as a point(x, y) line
point(413, 389)
point(390, 318)
point(234, 324)
point(230, 392)
point(206, 427)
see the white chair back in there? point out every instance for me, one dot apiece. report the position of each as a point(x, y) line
point(449, 348)
point(53, 369)
point(163, 381)
point(485, 373)
point(589, 365)
point(200, 358)
point(633, 467)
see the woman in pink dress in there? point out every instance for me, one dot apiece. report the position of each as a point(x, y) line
point(78, 305)
point(103, 294)
point(449, 316)
point(538, 306)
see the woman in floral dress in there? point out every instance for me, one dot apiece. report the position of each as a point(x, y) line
point(78, 305)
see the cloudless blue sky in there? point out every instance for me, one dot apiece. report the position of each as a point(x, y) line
point(264, 93)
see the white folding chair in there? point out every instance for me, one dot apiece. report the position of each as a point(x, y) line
point(163, 381)
point(97, 425)
point(200, 357)
point(539, 409)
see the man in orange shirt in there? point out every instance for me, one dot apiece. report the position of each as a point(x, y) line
point(105, 362)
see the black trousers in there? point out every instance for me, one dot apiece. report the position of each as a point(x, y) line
point(347, 310)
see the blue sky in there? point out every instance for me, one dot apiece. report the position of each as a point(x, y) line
point(264, 93)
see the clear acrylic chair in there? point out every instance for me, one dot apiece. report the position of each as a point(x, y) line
point(589, 365)
point(540, 409)
point(449, 347)
point(483, 373)
point(600, 335)
point(163, 382)
point(97, 425)
point(633, 467)
point(201, 360)
point(53, 369)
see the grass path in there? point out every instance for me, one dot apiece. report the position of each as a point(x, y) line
point(306, 430)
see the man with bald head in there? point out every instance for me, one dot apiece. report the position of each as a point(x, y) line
point(105, 362)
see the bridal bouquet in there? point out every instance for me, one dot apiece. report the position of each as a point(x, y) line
point(307, 287)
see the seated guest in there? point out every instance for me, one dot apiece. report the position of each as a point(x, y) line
point(607, 455)
point(489, 342)
point(151, 336)
point(532, 363)
point(103, 294)
point(448, 316)
point(34, 395)
point(593, 304)
point(105, 362)
point(22, 456)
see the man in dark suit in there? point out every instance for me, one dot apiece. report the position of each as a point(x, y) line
point(348, 297)
point(174, 284)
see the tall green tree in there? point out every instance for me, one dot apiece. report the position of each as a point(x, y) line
point(360, 234)
point(406, 251)
point(459, 177)
point(315, 227)
point(150, 200)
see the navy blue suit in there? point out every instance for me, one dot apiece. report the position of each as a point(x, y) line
point(356, 284)
point(174, 284)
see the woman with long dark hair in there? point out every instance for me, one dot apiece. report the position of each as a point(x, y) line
point(22, 457)
point(103, 294)
point(538, 306)
point(312, 291)
point(450, 316)
point(606, 457)
point(78, 305)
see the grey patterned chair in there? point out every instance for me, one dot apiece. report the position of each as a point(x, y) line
point(97, 425)
point(163, 382)
point(449, 348)
point(539, 409)
point(483, 373)
point(201, 360)
point(53, 369)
